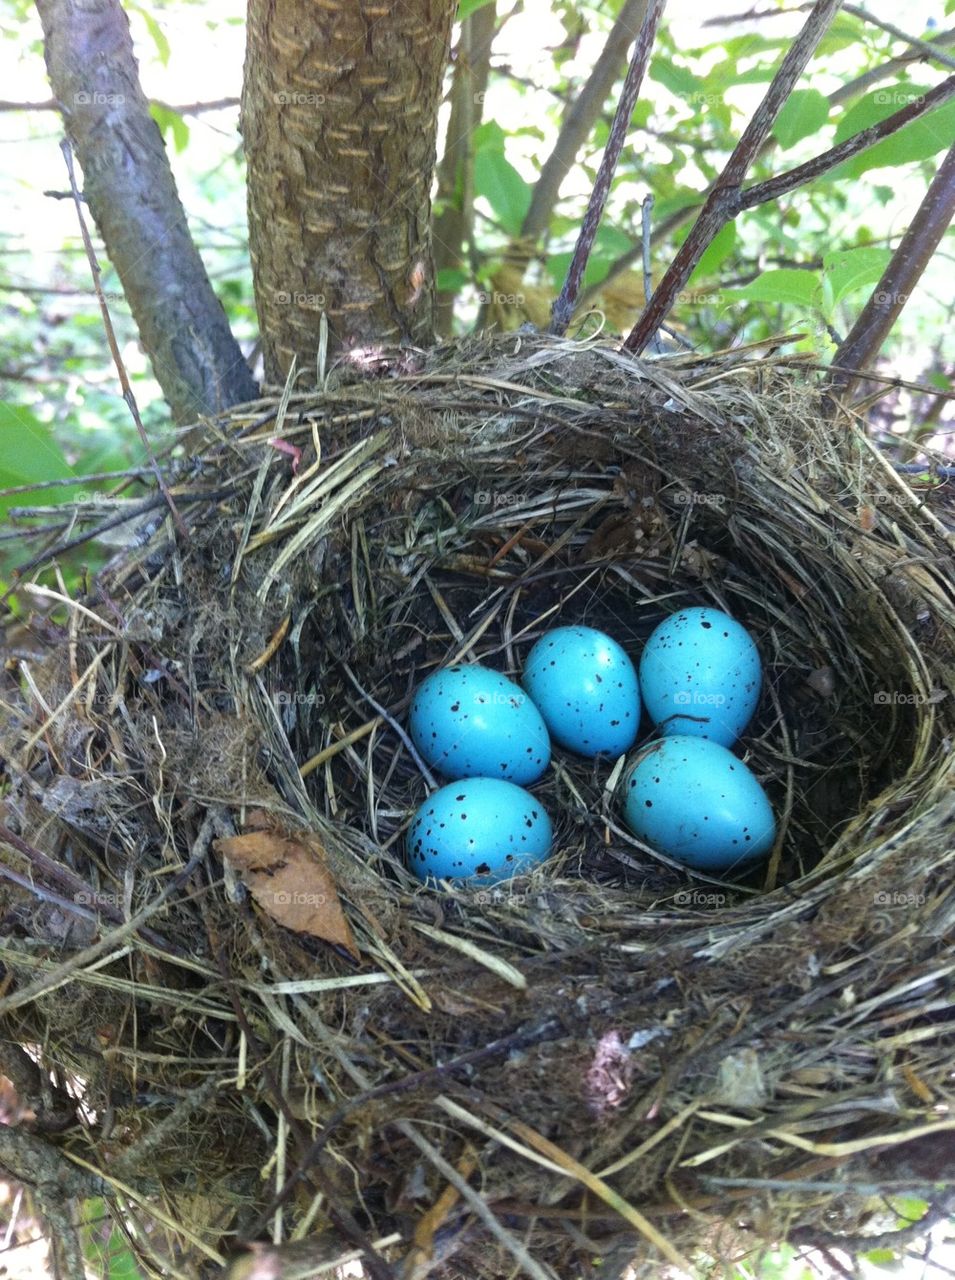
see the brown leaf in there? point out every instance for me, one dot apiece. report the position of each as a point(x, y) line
point(288, 876)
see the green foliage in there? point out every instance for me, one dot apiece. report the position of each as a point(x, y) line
point(917, 140)
point(105, 1249)
point(807, 261)
point(28, 453)
point(803, 115)
point(502, 186)
point(171, 122)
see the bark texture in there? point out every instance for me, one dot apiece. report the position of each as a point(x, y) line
point(132, 196)
point(339, 116)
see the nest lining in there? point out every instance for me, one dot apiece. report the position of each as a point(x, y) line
point(611, 1001)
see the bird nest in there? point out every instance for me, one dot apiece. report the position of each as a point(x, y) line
point(252, 1022)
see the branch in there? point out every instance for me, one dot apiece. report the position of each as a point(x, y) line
point(926, 48)
point(581, 118)
point(132, 196)
point(885, 69)
point(783, 183)
point(183, 109)
point(564, 306)
point(909, 261)
point(128, 395)
point(713, 218)
point(455, 223)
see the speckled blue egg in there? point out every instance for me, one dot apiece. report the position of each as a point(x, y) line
point(479, 829)
point(693, 800)
point(700, 675)
point(586, 689)
point(471, 722)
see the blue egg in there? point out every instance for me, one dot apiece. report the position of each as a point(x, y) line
point(693, 800)
point(480, 829)
point(471, 722)
point(586, 689)
point(700, 675)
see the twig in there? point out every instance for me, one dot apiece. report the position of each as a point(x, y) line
point(725, 201)
point(128, 395)
point(783, 183)
point(900, 277)
point(925, 47)
point(714, 214)
point(564, 306)
point(580, 119)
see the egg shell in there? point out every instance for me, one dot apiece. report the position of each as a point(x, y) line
point(693, 800)
point(471, 722)
point(585, 687)
point(700, 675)
point(480, 829)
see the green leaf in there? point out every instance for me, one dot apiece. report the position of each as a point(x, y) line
point(467, 7)
point(804, 112)
point(27, 451)
point(681, 82)
point(882, 1258)
point(488, 134)
point(910, 1208)
point(170, 122)
point(854, 268)
point(155, 31)
point(450, 280)
point(785, 285)
point(918, 140)
point(724, 243)
point(496, 179)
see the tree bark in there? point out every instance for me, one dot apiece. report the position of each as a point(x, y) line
point(131, 193)
point(339, 116)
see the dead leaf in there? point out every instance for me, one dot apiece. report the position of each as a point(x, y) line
point(288, 876)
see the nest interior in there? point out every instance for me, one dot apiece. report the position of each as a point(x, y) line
point(608, 1060)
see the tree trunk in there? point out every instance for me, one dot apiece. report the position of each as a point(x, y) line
point(132, 196)
point(339, 116)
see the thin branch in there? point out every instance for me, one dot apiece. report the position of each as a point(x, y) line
point(581, 118)
point(908, 263)
point(181, 109)
point(783, 183)
point(128, 395)
point(885, 69)
point(564, 306)
point(925, 47)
